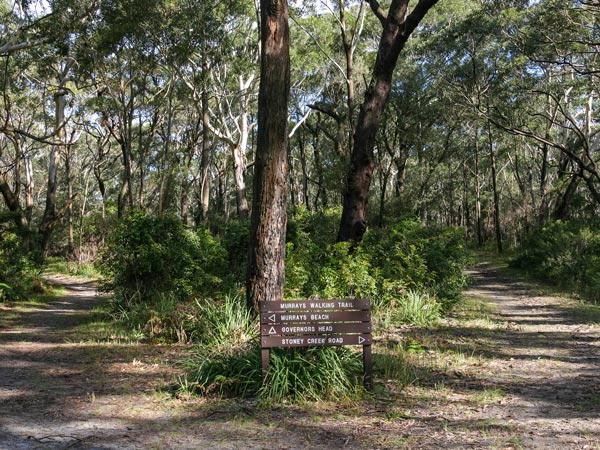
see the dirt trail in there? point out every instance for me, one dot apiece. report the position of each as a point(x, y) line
point(53, 388)
point(540, 360)
point(536, 362)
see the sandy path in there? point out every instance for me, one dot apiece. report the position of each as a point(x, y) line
point(543, 360)
point(57, 393)
point(53, 389)
point(548, 363)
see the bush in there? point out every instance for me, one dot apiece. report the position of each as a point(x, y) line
point(386, 264)
point(154, 265)
point(565, 253)
point(19, 274)
point(431, 260)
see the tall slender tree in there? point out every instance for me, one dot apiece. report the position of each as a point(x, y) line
point(266, 266)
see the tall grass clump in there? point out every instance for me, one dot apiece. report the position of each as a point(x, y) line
point(226, 359)
point(418, 308)
point(227, 362)
point(313, 374)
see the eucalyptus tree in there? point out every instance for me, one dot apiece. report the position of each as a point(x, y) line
point(234, 81)
point(203, 38)
point(38, 70)
point(562, 104)
point(266, 259)
point(480, 63)
point(397, 26)
point(319, 104)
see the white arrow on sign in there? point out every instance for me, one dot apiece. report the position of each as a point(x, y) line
point(361, 339)
point(272, 330)
point(272, 318)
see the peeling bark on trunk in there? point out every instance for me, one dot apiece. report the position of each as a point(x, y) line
point(266, 266)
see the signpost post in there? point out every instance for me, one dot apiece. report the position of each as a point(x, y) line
point(321, 323)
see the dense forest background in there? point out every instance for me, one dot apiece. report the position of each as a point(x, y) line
point(128, 135)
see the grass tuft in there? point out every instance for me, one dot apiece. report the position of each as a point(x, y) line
point(227, 362)
point(418, 308)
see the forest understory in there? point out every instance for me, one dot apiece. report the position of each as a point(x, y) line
point(514, 366)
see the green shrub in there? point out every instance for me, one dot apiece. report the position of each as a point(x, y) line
point(417, 257)
point(154, 266)
point(565, 253)
point(19, 273)
point(387, 263)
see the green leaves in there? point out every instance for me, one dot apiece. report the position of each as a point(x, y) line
point(388, 262)
point(152, 263)
point(565, 253)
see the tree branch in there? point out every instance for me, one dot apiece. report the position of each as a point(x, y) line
point(378, 11)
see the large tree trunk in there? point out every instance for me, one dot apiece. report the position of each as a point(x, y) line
point(206, 150)
point(266, 265)
point(497, 229)
point(478, 218)
point(49, 218)
point(397, 27)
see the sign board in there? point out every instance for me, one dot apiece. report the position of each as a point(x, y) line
point(314, 328)
point(315, 340)
point(312, 316)
point(324, 305)
point(317, 322)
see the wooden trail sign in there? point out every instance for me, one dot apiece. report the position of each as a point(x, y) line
point(321, 323)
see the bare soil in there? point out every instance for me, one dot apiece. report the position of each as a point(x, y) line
point(519, 372)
